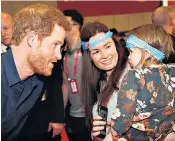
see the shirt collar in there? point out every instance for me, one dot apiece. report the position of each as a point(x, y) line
point(10, 68)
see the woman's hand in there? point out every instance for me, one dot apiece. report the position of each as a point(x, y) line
point(98, 125)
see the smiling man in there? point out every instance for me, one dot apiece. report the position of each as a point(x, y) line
point(39, 32)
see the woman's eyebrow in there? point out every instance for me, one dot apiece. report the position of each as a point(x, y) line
point(93, 49)
point(107, 43)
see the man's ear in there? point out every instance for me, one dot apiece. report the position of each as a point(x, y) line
point(32, 37)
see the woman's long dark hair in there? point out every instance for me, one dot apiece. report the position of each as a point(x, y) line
point(92, 76)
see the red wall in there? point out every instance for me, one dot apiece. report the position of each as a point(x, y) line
point(96, 8)
point(171, 2)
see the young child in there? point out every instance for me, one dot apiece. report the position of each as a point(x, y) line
point(146, 106)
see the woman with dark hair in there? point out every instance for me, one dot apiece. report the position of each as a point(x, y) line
point(104, 62)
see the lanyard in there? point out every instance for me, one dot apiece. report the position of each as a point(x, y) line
point(75, 64)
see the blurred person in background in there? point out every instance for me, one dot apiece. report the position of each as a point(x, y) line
point(6, 30)
point(165, 17)
point(119, 39)
point(72, 80)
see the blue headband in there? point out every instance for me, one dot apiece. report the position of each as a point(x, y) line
point(135, 42)
point(87, 45)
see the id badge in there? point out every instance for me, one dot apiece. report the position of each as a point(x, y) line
point(74, 86)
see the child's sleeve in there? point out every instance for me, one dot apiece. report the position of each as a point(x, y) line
point(123, 114)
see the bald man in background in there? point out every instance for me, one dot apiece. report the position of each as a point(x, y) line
point(6, 30)
point(165, 17)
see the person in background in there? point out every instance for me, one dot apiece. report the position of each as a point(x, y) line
point(104, 64)
point(119, 39)
point(115, 34)
point(165, 17)
point(72, 80)
point(6, 30)
point(39, 32)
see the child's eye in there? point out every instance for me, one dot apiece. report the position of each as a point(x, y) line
point(55, 44)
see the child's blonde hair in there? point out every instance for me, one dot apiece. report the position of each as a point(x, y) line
point(156, 37)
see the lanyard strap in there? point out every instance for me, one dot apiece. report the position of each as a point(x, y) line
point(75, 64)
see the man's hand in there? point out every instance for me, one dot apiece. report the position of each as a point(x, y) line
point(57, 128)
